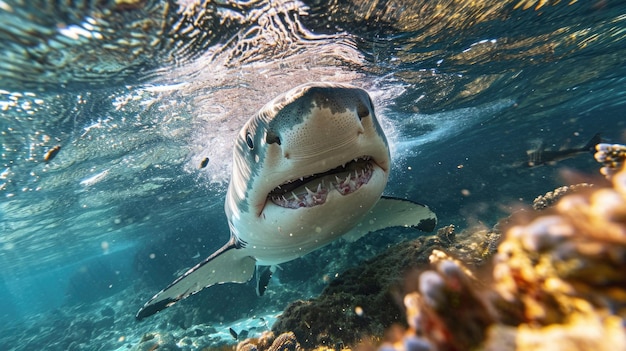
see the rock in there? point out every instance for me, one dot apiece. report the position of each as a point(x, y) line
point(365, 300)
point(107, 312)
point(156, 341)
point(104, 323)
point(285, 342)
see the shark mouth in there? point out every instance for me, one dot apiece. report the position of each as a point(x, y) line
point(313, 190)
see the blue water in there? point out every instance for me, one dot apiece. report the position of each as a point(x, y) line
point(138, 95)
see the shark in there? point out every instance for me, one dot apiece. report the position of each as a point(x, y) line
point(541, 156)
point(308, 168)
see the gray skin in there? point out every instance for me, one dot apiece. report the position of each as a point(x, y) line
point(308, 168)
point(541, 156)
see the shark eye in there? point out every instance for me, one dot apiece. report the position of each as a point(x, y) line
point(249, 141)
point(271, 138)
point(363, 111)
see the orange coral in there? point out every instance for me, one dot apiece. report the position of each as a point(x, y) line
point(558, 283)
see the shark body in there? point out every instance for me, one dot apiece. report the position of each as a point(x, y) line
point(308, 168)
point(541, 156)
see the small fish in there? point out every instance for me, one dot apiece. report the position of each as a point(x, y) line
point(94, 179)
point(51, 153)
point(233, 333)
point(204, 162)
point(542, 156)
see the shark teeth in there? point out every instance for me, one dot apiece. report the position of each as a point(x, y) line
point(353, 181)
point(349, 178)
point(310, 199)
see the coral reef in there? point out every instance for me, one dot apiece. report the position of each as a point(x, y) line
point(612, 156)
point(366, 300)
point(551, 197)
point(558, 284)
point(268, 341)
point(448, 308)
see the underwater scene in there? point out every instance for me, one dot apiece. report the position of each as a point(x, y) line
point(295, 175)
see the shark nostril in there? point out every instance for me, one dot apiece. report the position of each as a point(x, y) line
point(271, 138)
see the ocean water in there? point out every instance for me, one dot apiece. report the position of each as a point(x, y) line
point(138, 93)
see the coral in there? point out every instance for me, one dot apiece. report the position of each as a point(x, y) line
point(552, 197)
point(248, 346)
point(223, 347)
point(612, 156)
point(446, 296)
point(557, 284)
point(284, 342)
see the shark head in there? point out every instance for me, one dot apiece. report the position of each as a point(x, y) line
point(306, 154)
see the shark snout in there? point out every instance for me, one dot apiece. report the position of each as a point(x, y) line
point(323, 135)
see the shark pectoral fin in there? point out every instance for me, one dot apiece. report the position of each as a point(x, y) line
point(227, 265)
point(393, 212)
